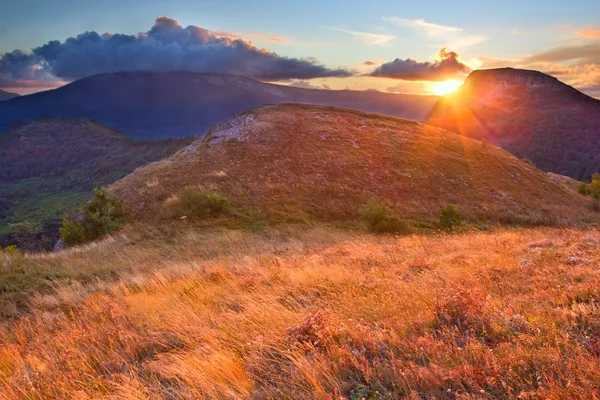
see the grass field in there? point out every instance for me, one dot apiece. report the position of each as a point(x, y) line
point(303, 313)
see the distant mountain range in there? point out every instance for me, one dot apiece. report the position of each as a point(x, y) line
point(145, 105)
point(7, 95)
point(51, 165)
point(530, 114)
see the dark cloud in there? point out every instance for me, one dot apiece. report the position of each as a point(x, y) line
point(369, 63)
point(449, 66)
point(166, 46)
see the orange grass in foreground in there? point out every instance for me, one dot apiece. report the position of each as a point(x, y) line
point(471, 316)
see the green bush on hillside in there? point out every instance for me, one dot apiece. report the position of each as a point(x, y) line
point(450, 218)
point(102, 215)
point(584, 189)
point(193, 202)
point(591, 189)
point(376, 215)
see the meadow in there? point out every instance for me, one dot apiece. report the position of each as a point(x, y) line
point(305, 313)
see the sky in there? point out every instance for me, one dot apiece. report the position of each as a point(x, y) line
point(424, 47)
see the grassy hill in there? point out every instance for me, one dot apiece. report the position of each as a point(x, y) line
point(301, 163)
point(530, 114)
point(51, 165)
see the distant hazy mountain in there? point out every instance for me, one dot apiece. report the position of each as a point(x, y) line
point(50, 165)
point(146, 105)
point(530, 114)
point(7, 95)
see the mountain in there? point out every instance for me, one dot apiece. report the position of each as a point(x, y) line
point(530, 114)
point(7, 95)
point(294, 162)
point(50, 165)
point(145, 105)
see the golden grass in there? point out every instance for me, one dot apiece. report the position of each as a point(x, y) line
point(314, 314)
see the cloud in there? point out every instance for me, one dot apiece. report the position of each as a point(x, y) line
point(308, 85)
point(591, 33)
point(586, 53)
point(167, 46)
point(368, 38)
point(369, 63)
point(269, 37)
point(429, 27)
point(444, 35)
point(447, 67)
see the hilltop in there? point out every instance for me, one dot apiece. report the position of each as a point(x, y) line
point(299, 163)
point(146, 105)
point(530, 114)
point(7, 95)
point(50, 165)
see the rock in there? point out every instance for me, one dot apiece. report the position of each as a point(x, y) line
point(59, 246)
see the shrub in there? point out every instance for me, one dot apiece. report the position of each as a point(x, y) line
point(102, 215)
point(594, 186)
point(11, 250)
point(584, 189)
point(450, 218)
point(377, 216)
point(193, 202)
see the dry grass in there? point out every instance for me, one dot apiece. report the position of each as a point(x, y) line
point(314, 314)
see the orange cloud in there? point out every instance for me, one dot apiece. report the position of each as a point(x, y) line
point(269, 37)
point(592, 33)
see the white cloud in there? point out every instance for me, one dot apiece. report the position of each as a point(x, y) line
point(443, 35)
point(368, 38)
point(430, 28)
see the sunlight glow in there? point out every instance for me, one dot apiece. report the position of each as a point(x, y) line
point(445, 87)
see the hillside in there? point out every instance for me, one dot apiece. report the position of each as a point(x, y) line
point(7, 95)
point(50, 165)
point(144, 105)
point(305, 163)
point(530, 114)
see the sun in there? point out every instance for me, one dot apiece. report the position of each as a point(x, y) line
point(445, 87)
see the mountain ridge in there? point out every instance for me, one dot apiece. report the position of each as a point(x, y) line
point(528, 113)
point(147, 105)
point(4, 95)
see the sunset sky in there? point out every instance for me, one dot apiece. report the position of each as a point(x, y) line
point(421, 47)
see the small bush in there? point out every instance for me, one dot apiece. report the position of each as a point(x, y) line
point(595, 205)
point(102, 215)
point(450, 218)
point(594, 186)
point(377, 216)
point(193, 202)
point(11, 250)
point(584, 189)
